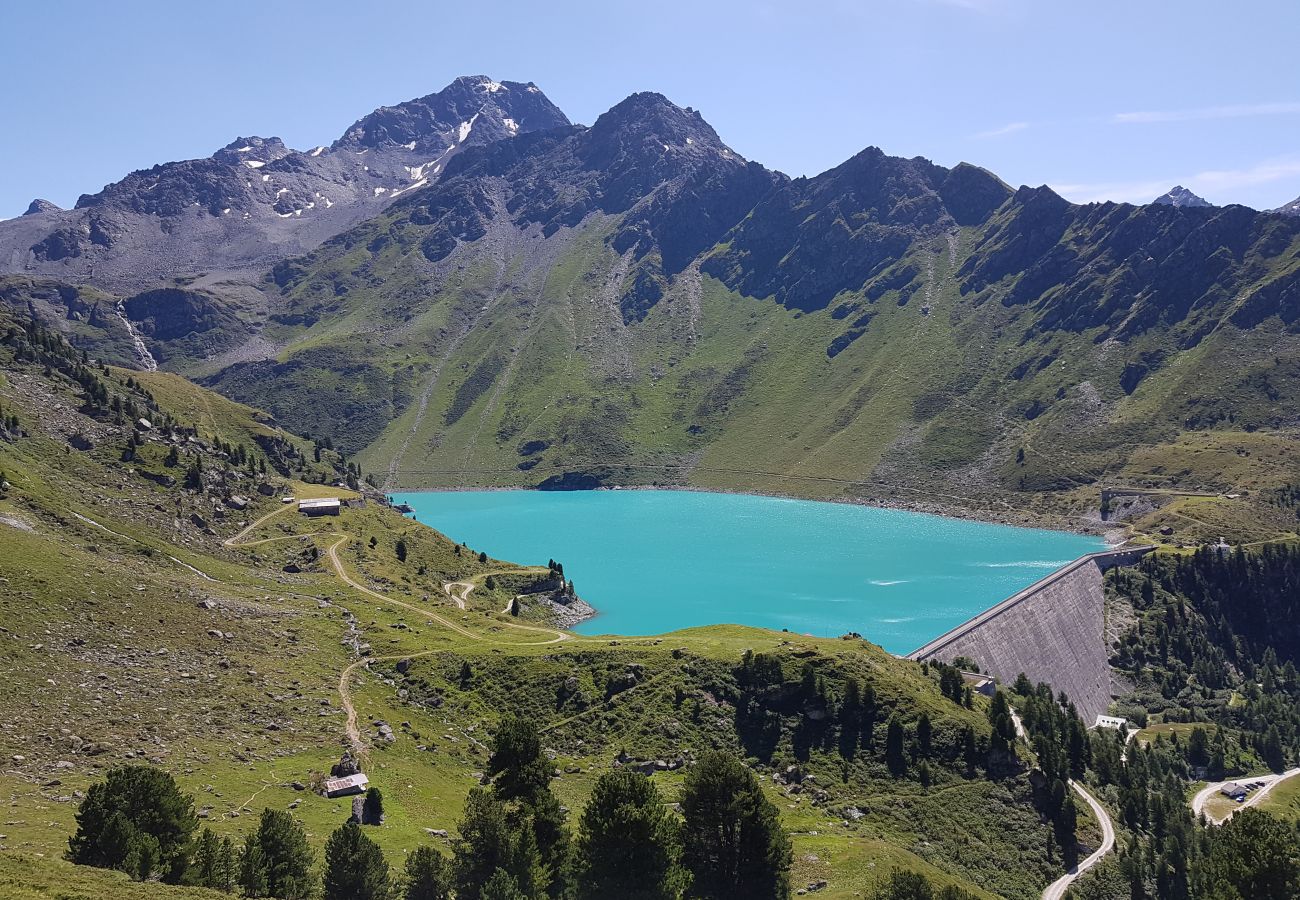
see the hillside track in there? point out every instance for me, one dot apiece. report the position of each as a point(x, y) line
point(1058, 888)
point(352, 731)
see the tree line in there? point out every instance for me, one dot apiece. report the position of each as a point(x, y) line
point(514, 843)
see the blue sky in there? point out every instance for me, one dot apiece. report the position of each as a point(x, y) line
point(1100, 99)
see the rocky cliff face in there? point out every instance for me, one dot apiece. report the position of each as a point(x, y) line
point(256, 201)
point(813, 238)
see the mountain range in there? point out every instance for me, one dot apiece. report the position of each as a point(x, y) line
point(494, 296)
point(256, 201)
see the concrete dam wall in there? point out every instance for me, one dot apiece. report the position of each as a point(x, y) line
point(1052, 631)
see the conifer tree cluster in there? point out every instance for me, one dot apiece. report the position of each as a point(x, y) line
point(515, 840)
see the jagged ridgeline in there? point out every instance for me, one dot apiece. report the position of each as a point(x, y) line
point(514, 300)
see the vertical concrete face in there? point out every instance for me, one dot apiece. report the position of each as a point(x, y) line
point(1053, 631)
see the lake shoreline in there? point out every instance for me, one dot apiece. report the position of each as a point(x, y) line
point(1115, 537)
point(900, 576)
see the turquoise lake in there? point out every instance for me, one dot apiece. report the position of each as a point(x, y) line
point(655, 561)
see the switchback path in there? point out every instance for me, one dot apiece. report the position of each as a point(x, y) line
point(351, 728)
point(465, 587)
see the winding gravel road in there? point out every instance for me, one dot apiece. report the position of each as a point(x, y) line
point(1056, 890)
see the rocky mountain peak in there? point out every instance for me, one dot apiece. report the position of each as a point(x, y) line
point(1180, 196)
point(254, 149)
point(1290, 209)
point(41, 206)
point(653, 117)
point(473, 109)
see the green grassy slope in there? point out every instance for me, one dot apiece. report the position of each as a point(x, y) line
point(514, 365)
point(227, 652)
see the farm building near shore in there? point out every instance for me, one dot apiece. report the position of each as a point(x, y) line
point(349, 784)
point(324, 506)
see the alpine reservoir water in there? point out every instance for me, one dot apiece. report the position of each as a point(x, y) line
point(655, 561)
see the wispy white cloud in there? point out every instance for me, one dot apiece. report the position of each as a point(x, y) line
point(1217, 185)
point(1242, 111)
point(1119, 191)
point(1010, 128)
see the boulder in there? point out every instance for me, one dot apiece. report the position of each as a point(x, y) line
point(345, 767)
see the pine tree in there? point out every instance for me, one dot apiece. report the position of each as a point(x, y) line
point(895, 753)
point(277, 860)
point(521, 776)
point(490, 841)
point(868, 716)
point(734, 844)
point(428, 875)
point(850, 718)
point(502, 886)
point(203, 868)
point(253, 869)
point(137, 821)
point(628, 846)
point(372, 809)
point(354, 866)
point(924, 734)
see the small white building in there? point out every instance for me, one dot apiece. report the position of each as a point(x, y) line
point(1116, 722)
point(1233, 790)
point(324, 506)
point(349, 784)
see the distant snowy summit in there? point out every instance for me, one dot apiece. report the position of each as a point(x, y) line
point(1180, 196)
point(1290, 209)
point(257, 201)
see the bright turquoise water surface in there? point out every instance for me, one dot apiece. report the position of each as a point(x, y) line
point(655, 561)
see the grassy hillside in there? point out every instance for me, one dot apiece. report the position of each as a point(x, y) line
point(26, 876)
point(151, 621)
